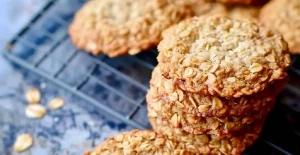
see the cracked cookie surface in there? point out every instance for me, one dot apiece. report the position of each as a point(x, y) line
point(220, 56)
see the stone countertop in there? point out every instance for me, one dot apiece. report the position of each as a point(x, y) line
point(75, 128)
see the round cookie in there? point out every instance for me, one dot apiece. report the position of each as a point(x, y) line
point(115, 27)
point(209, 106)
point(218, 126)
point(141, 143)
point(208, 144)
point(284, 16)
point(220, 56)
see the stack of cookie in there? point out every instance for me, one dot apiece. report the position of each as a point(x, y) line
point(215, 83)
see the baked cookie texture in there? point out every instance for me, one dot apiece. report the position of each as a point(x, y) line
point(243, 12)
point(236, 1)
point(218, 126)
point(210, 106)
point(284, 16)
point(207, 144)
point(115, 27)
point(139, 142)
point(204, 8)
point(216, 80)
point(219, 56)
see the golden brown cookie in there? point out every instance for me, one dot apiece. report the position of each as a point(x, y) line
point(115, 27)
point(243, 12)
point(219, 126)
point(284, 16)
point(139, 142)
point(220, 56)
point(237, 1)
point(207, 144)
point(209, 106)
point(203, 8)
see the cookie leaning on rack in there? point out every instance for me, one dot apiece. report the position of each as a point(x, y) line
point(115, 27)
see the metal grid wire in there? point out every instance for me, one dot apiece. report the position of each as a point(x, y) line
point(121, 84)
point(117, 86)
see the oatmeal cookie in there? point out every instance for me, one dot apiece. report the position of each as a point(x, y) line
point(115, 27)
point(237, 1)
point(141, 143)
point(219, 126)
point(208, 106)
point(203, 8)
point(208, 144)
point(284, 16)
point(243, 12)
point(220, 56)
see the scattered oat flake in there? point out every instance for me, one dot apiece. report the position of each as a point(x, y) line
point(9, 46)
point(35, 111)
point(23, 142)
point(33, 95)
point(56, 103)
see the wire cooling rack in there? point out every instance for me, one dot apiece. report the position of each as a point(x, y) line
point(44, 47)
point(119, 85)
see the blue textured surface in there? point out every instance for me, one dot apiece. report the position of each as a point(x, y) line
point(75, 128)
